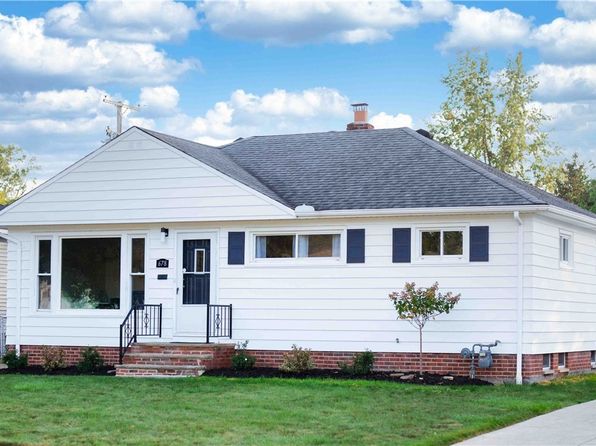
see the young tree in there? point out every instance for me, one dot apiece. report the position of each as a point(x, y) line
point(15, 167)
point(573, 184)
point(419, 305)
point(494, 118)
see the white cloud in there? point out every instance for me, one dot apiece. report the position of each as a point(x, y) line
point(477, 28)
point(294, 22)
point(28, 54)
point(385, 121)
point(577, 9)
point(565, 83)
point(567, 40)
point(140, 21)
point(159, 100)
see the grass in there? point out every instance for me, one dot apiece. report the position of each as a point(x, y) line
point(222, 411)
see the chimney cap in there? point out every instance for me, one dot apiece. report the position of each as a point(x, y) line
point(359, 105)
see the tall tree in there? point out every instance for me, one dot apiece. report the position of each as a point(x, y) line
point(494, 118)
point(15, 168)
point(573, 184)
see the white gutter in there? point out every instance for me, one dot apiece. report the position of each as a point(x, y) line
point(419, 211)
point(19, 267)
point(520, 298)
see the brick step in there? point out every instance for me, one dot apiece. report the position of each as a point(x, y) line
point(167, 358)
point(177, 349)
point(159, 370)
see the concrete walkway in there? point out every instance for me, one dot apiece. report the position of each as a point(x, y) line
point(572, 426)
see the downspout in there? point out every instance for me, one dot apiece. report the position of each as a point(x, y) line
point(18, 285)
point(520, 298)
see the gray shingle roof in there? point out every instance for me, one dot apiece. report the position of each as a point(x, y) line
point(368, 169)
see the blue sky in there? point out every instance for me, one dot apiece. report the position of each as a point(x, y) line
point(213, 71)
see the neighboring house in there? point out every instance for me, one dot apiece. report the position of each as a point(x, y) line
point(304, 235)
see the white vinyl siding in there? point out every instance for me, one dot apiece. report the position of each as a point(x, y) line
point(3, 275)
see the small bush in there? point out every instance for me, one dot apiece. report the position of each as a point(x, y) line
point(362, 364)
point(91, 361)
point(241, 359)
point(297, 360)
point(53, 358)
point(15, 361)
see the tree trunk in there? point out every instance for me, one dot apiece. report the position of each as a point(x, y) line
point(420, 353)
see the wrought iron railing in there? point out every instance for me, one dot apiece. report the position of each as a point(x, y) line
point(219, 321)
point(141, 320)
point(2, 335)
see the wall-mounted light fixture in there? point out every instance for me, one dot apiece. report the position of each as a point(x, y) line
point(165, 232)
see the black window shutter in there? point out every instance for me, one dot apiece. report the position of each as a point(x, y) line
point(355, 246)
point(235, 248)
point(478, 243)
point(402, 245)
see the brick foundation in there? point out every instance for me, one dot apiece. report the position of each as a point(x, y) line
point(72, 355)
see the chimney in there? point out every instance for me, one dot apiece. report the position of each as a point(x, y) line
point(360, 118)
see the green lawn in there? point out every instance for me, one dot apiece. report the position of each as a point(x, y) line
point(217, 411)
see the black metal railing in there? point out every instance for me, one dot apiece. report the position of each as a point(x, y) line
point(219, 321)
point(141, 320)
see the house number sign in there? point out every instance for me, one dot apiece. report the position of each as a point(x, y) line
point(162, 263)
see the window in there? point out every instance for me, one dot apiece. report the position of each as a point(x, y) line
point(90, 273)
point(442, 243)
point(137, 271)
point(318, 245)
point(562, 360)
point(565, 249)
point(44, 275)
point(297, 245)
point(199, 261)
point(546, 361)
point(593, 358)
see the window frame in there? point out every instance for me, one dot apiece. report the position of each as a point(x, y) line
point(195, 260)
point(296, 259)
point(443, 258)
point(564, 356)
point(550, 362)
point(568, 263)
point(132, 274)
point(593, 358)
point(38, 239)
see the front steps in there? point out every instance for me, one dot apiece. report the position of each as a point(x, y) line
point(174, 359)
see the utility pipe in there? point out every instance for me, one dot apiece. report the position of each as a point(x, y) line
point(520, 298)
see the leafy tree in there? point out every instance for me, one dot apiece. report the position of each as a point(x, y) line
point(419, 305)
point(591, 206)
point(573, 183)
point(15, 167)
point(494, 118)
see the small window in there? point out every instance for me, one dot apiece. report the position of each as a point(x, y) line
point(137, 271)
point(565, 248)
point(546, 361)
point(442, 243)
point(593, 358)
point(275, 246)
point(44, 275)
point(318, 245)
point(199, 261)
point(562, 360)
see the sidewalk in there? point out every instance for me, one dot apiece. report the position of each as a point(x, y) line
point(572, 426)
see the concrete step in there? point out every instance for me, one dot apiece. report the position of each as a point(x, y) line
point(159, 370)
point(167, 358)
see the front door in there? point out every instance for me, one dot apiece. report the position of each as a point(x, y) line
point(195, 291)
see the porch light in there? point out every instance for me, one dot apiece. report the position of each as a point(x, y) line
point(165, 232)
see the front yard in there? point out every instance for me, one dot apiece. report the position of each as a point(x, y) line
point(216, 411)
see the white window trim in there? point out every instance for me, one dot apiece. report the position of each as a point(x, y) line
point(550, 362)
point(566, 264)
point(36, 253)
point(565, 359)
point(130, 273)
point(285, 261)
point(593, 363)
point(195, 261)
point(463, 258)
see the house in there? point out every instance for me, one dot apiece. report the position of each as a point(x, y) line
point(298, 239)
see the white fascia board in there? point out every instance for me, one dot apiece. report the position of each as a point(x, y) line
point(571, 217)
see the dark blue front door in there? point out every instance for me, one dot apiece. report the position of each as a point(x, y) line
point(196, 262)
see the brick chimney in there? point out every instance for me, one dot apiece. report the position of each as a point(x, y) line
point(360, 117)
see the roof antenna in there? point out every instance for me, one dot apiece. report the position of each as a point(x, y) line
point(120, 107)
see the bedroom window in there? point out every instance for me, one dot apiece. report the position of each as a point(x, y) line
point(442, 243)
point(137, 271)
point(565, 249)
point(90, 273)
point(297, 246)
point(44, 275)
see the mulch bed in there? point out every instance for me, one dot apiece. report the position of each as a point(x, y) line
point(38, 370)
point(403, 377)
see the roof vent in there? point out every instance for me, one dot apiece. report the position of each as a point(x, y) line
point(360, 117)
point(425, 133)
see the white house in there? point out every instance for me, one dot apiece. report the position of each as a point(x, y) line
point(298, 239)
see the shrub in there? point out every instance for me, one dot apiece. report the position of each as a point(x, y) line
point(15, 361)
point(241, 359)
point(91, 361)
point(53, 358)
point(297, 360)
point(362, 364)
